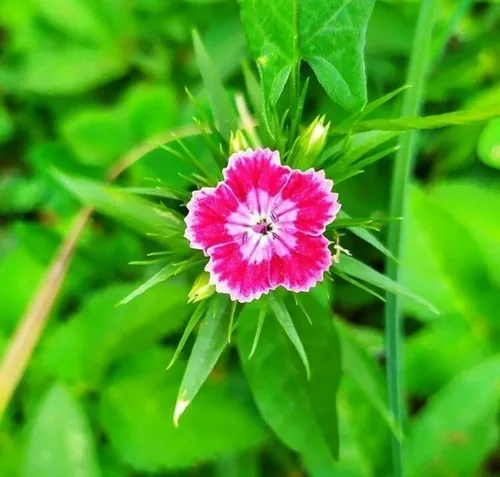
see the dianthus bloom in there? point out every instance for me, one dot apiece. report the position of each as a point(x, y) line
point(262, 226)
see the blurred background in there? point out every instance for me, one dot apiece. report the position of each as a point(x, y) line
point(82, 82)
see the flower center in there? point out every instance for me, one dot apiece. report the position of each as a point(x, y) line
point(263, 227)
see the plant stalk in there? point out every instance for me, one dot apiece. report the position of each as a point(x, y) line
point(420, 61)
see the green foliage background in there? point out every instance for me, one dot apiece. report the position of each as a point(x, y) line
point(82, 82)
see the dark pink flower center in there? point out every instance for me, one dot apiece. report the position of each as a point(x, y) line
point(263, 227)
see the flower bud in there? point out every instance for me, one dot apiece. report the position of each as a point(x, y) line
point(312, 141)
point(238, 142)
point(201, 288)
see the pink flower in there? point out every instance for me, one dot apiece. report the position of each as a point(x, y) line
point(262, 226)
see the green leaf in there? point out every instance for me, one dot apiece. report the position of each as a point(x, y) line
point(97, 136)
point(329, 35)
point(209, 345)
point(359, 145)
point(222, 108)
point(366, 235)
point(169, 271)
point(163, 191)
point(374, 105)
point(21, 273)
point(360, 270)
point(286, 322)
point(150, 109)
point(60, 442)
point(300, 411)
point(191, 325)
point(488, 147)
point(136, 412)
point(441, 350)
point(70, 69)
point(476, 205)
point(365, 374)
point(437, 264)
point(272, 37)
point(332, 39)
point(444, 439)
point(6, 125)
point(81, 350)
point(75, 18)
point(139, 214)
point(479, 114)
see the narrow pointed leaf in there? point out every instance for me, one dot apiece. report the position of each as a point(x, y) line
point(191, 325)
point(169, 271)
point(260, 324)
point(455, 118)
point(367, 236)
point(161, 192)
point(358, 284)
point(210, 343)
point(355, 268)
point(137, 213)
point(370, 107)
point(285, 320)
point(222, 109)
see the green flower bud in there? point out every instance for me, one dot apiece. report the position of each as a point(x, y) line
point(237, 142)
point(312, 141)
point(201, 288)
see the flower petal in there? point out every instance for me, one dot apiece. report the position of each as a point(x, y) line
point(301, 267)
point(236, 275)
point(256, 176)
point(207, 219)
point(308, 202)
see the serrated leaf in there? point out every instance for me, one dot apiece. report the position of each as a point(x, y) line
point(329, 35)
point(332, 39)
point(60, 442)
point(139, 214)
point(209, 345)
point(136, 408)
point(285, 321)
point(445, 440)
point(222, 109)
point(169, 271)
point(301, 412)
point(360, 270)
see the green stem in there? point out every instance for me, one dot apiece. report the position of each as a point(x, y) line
point(417, 73)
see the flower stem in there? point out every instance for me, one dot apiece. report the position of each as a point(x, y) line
point(417, 73)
